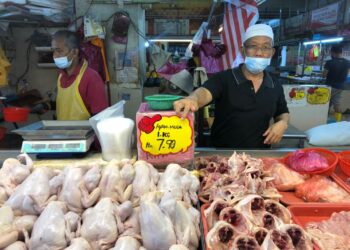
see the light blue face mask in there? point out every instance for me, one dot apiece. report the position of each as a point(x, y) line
point(62, 62)
point(256, 65)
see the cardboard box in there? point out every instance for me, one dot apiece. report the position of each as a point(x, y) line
point(164, 138)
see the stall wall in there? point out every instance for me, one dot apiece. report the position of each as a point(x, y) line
point(43, 79)
point(131, 92)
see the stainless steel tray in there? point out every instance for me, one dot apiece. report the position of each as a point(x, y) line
point(56, 130)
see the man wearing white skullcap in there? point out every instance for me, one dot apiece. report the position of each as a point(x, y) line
point(246, 97)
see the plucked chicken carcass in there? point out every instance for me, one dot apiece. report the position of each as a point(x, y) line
point(180, 182)
point(24, 224)
point(146, 179)
point(112, 183)
point(157, 230)
point(18, 245)
point(34, 193)
point(259, 234)
point(12, 173)
point(127, 243)
point(8, 234)
point(74, 189)
point(51, 230)
point(79, 244)
point(102, 224)
point(221, 236)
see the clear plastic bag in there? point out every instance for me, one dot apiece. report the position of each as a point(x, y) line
point(116, 110)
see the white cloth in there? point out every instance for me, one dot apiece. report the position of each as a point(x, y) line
point(258, 30)
point(333, 134)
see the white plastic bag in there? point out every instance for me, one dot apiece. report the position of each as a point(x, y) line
point(116, 110)
point(197, 39)
point(333, 134)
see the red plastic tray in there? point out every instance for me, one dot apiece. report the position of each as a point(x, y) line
point(342, 176)
point(303, 214)
point(204, 222)
point(289, 198)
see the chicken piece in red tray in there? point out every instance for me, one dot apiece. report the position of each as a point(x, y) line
point(221, 236)
point(300, 239)
point(245, 242)
point(285, 179)
point(236, 219)
point(267, 220)
point(333, 233)
point(276, 240)
point(278, 210)
point(260, 234)
point(252, 207)
point(321, 189)
point(212, 213)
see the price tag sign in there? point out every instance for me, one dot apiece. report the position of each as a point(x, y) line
point(318, 95)
point(162, 135)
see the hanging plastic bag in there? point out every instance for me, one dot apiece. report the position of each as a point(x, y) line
point(210, 55)
point(116, 110)
point(196, 39)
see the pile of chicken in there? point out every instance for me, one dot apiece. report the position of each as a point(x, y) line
point(122, 206)
point(234, 177)
point(244, 211)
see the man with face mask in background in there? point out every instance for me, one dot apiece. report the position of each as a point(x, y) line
point(80, 90)
point(246, 97)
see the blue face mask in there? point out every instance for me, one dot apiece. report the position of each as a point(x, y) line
point(256, 65)
point(62, 62)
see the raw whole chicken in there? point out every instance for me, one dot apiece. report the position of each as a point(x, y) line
point(278, 210)
point(244, 242)
point(213, 211)
point(34, 193)
point(51, 230)
point(180, 182)
point(12, 173)
point(8, 234)
point(18, 245)
point(79, 244)
point(184, 220)
point(236, 219)
point(101, 224)
point(221, 236)
point(113, 185)
point(127, 243)
point(132, 225)
point(276, 240)
point(152, 220)
point(178, 247)
point(300, 239)
point(146, 179)
point(24, 224)
point(74, 189)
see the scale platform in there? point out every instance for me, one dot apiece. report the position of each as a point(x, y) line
point(56, 137)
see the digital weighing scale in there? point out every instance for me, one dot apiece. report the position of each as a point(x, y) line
point(52, 137)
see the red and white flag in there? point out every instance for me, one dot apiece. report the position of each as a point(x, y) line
point(239, 15)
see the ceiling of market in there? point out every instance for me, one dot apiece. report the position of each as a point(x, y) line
point(200, 9)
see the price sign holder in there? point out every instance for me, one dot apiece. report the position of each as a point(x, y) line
point(163, 137)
